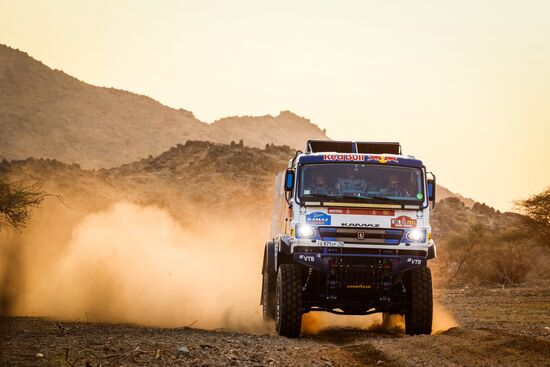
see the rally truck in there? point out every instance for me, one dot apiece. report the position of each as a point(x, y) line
point(350, 235)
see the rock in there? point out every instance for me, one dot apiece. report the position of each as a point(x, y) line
point(183, 350)
point(39, 355)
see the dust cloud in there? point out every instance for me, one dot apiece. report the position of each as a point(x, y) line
point(137, 264)
point(313, 323)
point(9, 261)
point(442, 319)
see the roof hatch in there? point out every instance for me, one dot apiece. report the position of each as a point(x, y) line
point(366, 147)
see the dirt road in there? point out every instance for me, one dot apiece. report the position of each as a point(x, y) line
point(498, 327)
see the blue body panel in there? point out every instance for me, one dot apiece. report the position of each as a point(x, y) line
point(320, 261)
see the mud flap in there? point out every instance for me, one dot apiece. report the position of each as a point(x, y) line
point(268, 265)
point(269, 258)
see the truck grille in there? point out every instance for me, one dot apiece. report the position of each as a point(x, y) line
point(367, 236)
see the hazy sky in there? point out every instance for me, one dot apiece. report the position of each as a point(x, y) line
point(464, 85)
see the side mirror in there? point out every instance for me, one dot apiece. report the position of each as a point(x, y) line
point(289, 180)
point(431, 188)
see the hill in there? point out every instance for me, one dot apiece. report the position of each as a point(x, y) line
point(48, 114)
point(444, 193)
point(218, 178)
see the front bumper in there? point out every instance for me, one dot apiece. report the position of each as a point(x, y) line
point(396, 263)
point(395, 259)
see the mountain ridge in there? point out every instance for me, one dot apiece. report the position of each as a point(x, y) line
point(49, 114)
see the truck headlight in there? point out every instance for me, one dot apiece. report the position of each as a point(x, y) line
point(306, 231)
point(416, 235)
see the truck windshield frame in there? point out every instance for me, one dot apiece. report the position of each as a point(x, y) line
point(367, 183)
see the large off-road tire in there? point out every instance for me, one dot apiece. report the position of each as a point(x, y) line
point(288, 314)
point(418, 318)
point(268, 295)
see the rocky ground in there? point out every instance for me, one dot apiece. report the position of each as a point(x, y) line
point(498, 327)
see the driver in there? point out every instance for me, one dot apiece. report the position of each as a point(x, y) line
point(319, 185)
point(397, 187)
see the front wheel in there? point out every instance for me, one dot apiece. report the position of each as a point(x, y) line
point(289, 300)
point(418, 318)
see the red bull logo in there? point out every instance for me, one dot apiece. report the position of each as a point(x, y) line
point(382, 159)
point(345, 157)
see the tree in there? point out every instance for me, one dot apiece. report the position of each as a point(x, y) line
point(537, 212)
point(16, 202)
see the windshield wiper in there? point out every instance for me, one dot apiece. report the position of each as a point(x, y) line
point(321, 196)
point(385, 198)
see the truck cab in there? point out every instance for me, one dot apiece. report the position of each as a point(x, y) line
point(350, 235)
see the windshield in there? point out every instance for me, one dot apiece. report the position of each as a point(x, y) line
point(344, 181)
